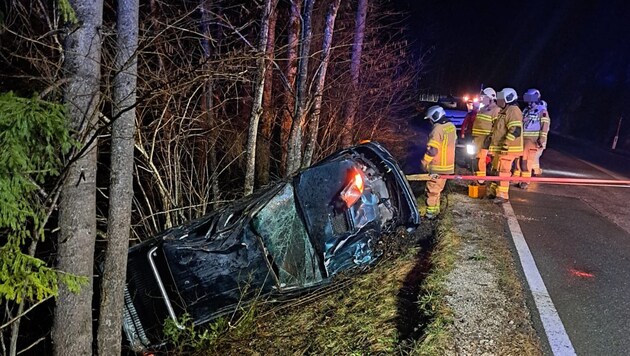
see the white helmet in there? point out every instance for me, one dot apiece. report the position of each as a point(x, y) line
point(489, 92)
point(531, 96)
point(508, 95)
point(435, 113)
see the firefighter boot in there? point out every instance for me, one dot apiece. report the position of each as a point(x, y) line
point(491, 192)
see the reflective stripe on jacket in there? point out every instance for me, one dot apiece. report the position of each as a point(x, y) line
point(443, 137)
point(485, 118)
point(503, 138)
point(545, 121)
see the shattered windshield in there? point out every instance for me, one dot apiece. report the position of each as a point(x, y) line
point(287, 243)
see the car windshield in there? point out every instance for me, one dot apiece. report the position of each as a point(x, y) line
point(289, 249)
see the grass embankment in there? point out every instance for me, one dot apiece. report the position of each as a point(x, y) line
point(398, 306)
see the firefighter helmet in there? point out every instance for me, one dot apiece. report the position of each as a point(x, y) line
point(435, 113)
point(508, 95)
point(489, 92)
point(531, 96)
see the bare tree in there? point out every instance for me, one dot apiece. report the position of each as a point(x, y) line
point(294, 158)
point(313, 125)
point(355, 66)
point(72, 326)
point(291, 71)
point(208, 102)
point(121, 180)
point(263, 154)
point(257, 104)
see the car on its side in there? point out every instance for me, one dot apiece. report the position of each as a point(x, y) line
point(288, 237)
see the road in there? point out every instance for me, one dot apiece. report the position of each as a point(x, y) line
point(580, 240)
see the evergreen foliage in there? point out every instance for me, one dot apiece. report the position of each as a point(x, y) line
point(67, 12)
point(33, 136)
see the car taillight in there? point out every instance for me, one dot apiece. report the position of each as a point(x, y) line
point(352, 192)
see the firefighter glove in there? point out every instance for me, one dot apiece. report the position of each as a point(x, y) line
point(423, 167)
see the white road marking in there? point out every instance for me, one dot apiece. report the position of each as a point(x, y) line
point(556, 334)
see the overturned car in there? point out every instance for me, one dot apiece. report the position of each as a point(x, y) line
point(288, 237)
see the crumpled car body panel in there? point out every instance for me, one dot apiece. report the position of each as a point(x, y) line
point(285, 238)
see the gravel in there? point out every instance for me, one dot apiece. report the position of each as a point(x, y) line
point(485, 295)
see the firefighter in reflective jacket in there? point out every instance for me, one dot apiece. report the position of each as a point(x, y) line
point(535, 128)
point(439, 157)
point(545, 124)
point(482, 127)
point(506, 141)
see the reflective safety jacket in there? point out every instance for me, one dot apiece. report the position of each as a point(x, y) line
point(507, 131)
point(485, 118)
point(545, 121)
point(440, 155)
point(536, 124)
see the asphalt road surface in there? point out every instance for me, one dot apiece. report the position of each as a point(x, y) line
point(579, 237)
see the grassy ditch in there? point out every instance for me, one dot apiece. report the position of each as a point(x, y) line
point(375, 312)
point(398, 306)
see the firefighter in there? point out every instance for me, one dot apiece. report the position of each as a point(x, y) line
point(534, 135)
point(481, 129)
point(545, 122)
point(469, 120)
point(439, 157)
point(506, 141)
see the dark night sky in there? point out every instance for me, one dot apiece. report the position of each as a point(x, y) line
point(516, 42)
point(577, 53)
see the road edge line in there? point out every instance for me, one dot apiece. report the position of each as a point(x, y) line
point(554, 329)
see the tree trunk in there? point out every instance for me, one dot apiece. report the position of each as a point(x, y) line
point(257, 104)
point(72, 326)
point(208, 53)
point(121, 180)
point(263, 153)
point(321, 80)
point(355, 66)
point(291, 71)
point(294, 159)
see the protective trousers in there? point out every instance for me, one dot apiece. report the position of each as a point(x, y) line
point(504, 166)
point(482, 154)
point(433, 190)
point(527, 162)
point(536, 164)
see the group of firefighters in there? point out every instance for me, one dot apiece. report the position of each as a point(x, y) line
point(497, 128)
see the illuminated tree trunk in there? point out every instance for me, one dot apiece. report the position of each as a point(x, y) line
point(257, 104)
point(72, 326)
point(355, 66)
point(121, 180)
point(263, 154)
point(291, 71)
point(313, 125)
point(294, 159)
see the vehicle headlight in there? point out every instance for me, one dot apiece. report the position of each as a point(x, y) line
point(470, 149)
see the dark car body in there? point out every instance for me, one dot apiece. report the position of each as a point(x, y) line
point(455, 109)
point(288, 237)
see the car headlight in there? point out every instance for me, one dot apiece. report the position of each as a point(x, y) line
point(470, 149)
